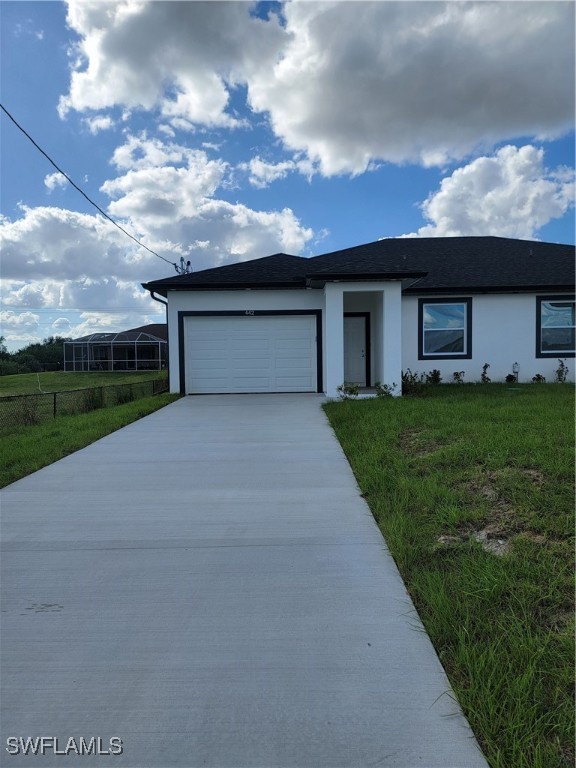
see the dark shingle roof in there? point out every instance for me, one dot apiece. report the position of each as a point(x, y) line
point(268, 271)
point(453, 263)
point(160, 330)
point(435, 265)
point(150, 332)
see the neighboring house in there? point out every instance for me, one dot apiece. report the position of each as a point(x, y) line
point(365, 314)
point(138, 349)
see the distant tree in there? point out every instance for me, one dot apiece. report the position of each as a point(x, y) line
point(27, 363)
point(4, 354)
point(49, 355)
point(8, 367)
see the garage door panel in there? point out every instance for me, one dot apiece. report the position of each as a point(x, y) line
point(290, 355)
point(290, 384)
point(251, 383)
point(254, 345)
point(204, 355)
point(219, 367)
point(251, 354)
point(298, 346)
point(208, 351)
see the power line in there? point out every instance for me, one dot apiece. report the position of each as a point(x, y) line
point(180, 269)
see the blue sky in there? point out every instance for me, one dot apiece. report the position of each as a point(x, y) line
point(229, 131)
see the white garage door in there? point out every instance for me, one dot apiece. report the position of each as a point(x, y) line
point(253, 353)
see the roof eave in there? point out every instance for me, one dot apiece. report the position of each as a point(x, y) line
point(453, 289)
point(319, 279)
point(163, 289)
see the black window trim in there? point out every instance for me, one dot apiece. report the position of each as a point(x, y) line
point(557, 354)
point(467, 301)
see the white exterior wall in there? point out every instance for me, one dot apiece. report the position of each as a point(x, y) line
point(503, 333)
point(392, 337)
point(333, 341)
point(234, 301)
point(503, 330)
point(383, 301)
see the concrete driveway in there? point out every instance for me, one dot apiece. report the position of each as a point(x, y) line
point(208, 586)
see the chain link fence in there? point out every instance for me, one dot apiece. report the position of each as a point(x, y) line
point(27, 410)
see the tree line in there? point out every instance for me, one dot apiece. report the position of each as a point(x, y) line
point(47, 355)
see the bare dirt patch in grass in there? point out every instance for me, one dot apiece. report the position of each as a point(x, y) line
point(416, 443)
point(500, 522)
point(536, 538)
point(561, 621)
point(533, 474)
point(492, 538)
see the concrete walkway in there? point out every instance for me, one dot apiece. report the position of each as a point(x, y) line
point(208, 585)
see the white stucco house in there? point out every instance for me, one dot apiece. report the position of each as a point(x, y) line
point(291, 324)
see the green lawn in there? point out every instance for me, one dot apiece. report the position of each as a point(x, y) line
point(59, 381)
point(473, 489)
point(28, 449)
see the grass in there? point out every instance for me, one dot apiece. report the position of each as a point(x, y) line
point(472, 487)
point(60, 381)
point(30, 448)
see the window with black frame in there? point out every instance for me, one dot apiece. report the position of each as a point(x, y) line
point(445, 329)
point(555, 316)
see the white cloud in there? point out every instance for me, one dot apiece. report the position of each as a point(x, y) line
point(19, 328)
point(24, 322)
point(174, 57)
point(97, 124)
point(347, 83)
point(170, 207)
point(26, 27)
point(418, 82)
point(53, 180)
point(166, 196)
point(262, 174)
point(211, 145)
point(167, 130)
point(140, 152)
point(510, 193)
point(62, 326)
point(173, 189)
point(53, 243)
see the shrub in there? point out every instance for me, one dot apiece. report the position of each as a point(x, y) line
point(124, 394)
point(484, 378)
point(385, 390)
point(434, 377)
point(26, 410)
point(539, 379)
point(412, 383)
point(27, 363)
point(561, 373)
point(92, 399)
point(8, 368)
point(348, 390)
point(458, 377)
point(510, 378)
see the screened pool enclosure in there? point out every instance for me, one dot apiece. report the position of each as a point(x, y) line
point(139, 349)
